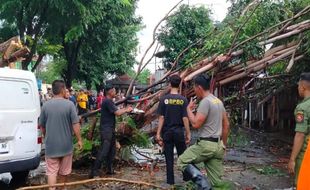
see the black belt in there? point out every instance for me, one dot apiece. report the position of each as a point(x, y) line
point(210, 139)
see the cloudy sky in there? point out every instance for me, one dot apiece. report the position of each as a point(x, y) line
point(152, 11)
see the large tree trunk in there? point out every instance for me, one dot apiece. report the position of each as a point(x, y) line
point(34, 31)
point(71, 50)
point(88, 83)
point(68, 78)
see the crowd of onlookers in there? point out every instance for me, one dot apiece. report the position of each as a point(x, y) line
point(84, 100)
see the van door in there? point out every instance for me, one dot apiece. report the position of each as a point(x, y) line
point(19, 112)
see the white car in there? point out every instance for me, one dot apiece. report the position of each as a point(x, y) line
point(20, 136)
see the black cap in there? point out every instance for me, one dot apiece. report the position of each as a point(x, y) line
point(305, 77)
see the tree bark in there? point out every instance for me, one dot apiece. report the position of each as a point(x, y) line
point(34, 31)
point(129, 91)
point(71, 53)
point(37, 62)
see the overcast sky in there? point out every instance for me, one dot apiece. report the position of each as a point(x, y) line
point(152, 11)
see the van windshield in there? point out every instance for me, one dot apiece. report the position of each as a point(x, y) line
point(16, 95)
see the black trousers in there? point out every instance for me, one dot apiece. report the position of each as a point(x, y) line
point(173, 138)
point(106, 152)
point(82, 111)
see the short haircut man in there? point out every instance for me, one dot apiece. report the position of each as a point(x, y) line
point(58, 86)
point(107, 88)
point(302, 129)
point(212, 124)
point(203, 81)
point(58, 120)
point(173, 122)
point(107, 149)
point(175, 81)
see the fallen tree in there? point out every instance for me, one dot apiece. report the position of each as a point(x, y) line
point(286, 41)
point(12, 50)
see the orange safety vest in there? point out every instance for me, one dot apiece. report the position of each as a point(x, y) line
point(304, 172)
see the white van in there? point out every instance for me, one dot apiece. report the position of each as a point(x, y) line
point(20, 137)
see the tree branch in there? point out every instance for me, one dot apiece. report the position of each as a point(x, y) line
point(91, 181)
point(148, 61)
point(305, 11)
point(37, 62)
point(150, 46)
point(239, 29)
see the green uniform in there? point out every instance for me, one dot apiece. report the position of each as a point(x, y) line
point(210, 153)
point(302, 117)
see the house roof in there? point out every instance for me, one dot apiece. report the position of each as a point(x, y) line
point(121, 80)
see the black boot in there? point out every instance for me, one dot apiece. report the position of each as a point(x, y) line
point(94, 172)
point(197, 177)
point(110, 170)
point(186, 176)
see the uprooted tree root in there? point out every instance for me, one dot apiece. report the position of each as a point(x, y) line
point(82, 182)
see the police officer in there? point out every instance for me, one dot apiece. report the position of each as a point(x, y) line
point(172, 122)
point(302, 118)
point(213, 127)
point(107, 132)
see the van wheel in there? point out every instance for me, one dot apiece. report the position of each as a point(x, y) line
point(19, 177)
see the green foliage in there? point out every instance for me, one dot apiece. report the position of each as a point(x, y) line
point(131, 123)
point(53, 71)
point(96, 38)
point(28, 19)
point(45, 48)
point(252, 51)
point(269, 171)
point(143, 77)
point(190, 24)
point(188, 186)
point(138, 138)
point(277, 68)
point(87, 144)
point(7, 30)
point(111, 43)
point(185, 27)
point(238, 139)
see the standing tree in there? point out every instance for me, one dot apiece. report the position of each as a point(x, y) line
point(188, 25)
point(97, 34)
point(30, 20)
point(111, 44)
